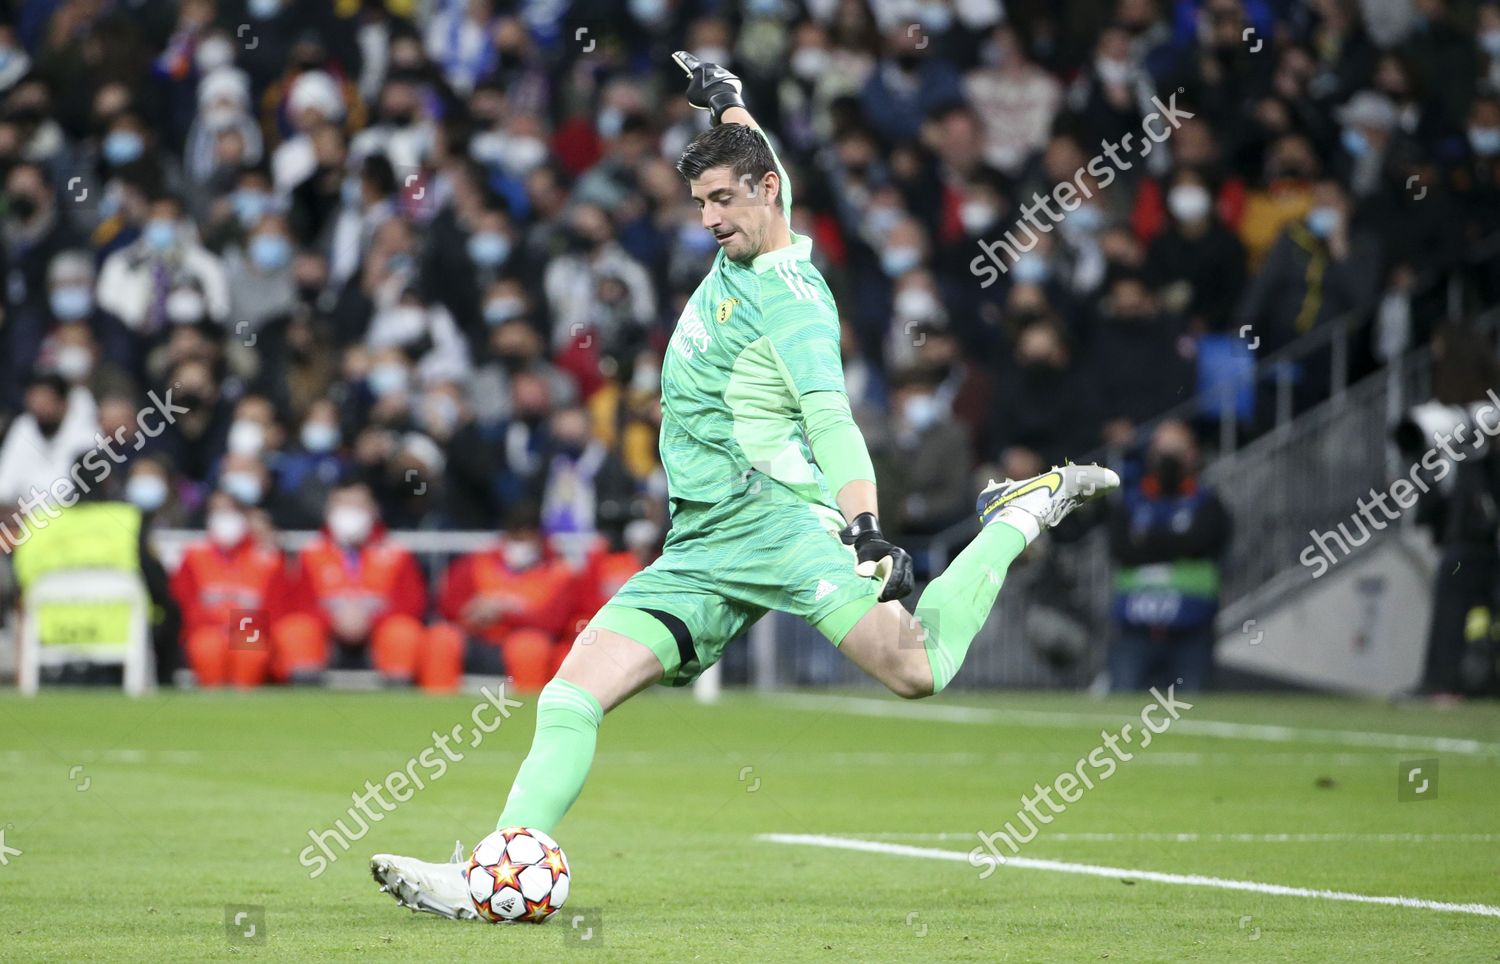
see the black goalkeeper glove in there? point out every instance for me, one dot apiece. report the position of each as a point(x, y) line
point(710, 87)
point(878, 558)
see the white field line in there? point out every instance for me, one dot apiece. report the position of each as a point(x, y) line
point(1256, 838)
point(1268, 732)
point(1094, 870)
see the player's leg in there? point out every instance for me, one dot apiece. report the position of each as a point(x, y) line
point(918, 654)
point(602, 670)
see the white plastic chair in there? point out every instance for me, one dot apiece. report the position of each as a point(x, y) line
point(78, 587)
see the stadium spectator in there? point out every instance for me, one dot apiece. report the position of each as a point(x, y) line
point(1167, 537)
point(164, 277)
point(358, 602)
point(40, 447)
point(231, 588)
point(515, 602)
point(917, 460)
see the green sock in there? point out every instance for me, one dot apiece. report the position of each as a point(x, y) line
point(552, 775)
point(958, 602)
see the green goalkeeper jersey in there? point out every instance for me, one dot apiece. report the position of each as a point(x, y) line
point(751, 342)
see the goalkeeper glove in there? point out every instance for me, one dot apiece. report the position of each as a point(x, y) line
point(710, 87)
point(878, 558)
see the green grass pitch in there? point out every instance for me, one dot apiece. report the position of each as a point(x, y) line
point(142, 826)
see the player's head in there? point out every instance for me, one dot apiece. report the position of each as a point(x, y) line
point(732, 176)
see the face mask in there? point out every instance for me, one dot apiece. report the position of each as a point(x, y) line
point(488, 248)
point(1086, 220)
point(212, 54)
point(442, 414)
point(695, 239)
point(386, 379)
point(880, 221)
point(1188, 202)
point(921, 411)
point(1031, 270)
point(270, 252)
point(503, 309)
point(320, 436)
point(146, 492)
point(648, 11)
point(350, 525)
point(226, 528)
point(1113, 71)
point(1489, 42)
point(351, 193)
point(976, 216)
point(522, 154)
point(897, 261)
point(1355, 142)
point(263, 9)
point(251, 206)
point(521, 555)
point(71, 303)
point(1323, 221)
point(1169, 471)
point(401, 263)
point(1485, 140)
point(23, 207)
point(916, 304)
point(74, 362)
point(160, 235)
point(246, 437)
point(810, 63)
point(123, 147)
point(610, 122)
point(185, 307)
point(244, 486)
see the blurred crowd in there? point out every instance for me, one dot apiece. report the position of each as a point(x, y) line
point(436, 246)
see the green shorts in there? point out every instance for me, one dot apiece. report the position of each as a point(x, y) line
point(725, 564)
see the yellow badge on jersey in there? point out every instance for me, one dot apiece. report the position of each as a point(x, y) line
point(726, 308)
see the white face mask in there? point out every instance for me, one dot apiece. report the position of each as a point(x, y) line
point(185, 306)
point(976, 216)
point(349, 524)
point(246, 437)
point(227, 528)
point(521, 555)
point(917, 304)
point(810, 63)
point(921, 411)
point(74, 362)
point(1189, 202)
point(212, 54)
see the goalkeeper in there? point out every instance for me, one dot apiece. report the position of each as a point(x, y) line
point(772, 497)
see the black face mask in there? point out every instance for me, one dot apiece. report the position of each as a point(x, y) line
point(49, 427)
point(909, 63)
point(23, 206)
point(511, 361)
point(1169, 471)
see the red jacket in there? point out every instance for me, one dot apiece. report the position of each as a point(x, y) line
point(380, 576)
point(549, 590)
point(217, 587)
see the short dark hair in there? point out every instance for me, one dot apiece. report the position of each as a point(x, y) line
point(735, 146)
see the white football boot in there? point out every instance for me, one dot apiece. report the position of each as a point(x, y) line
point(433, 888)
point(1042, 501)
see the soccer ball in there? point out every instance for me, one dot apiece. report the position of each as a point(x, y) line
point(518, 874)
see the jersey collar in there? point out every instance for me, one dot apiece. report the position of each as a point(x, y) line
point(799, 250)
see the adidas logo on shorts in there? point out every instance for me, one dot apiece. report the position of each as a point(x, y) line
point(824, 588)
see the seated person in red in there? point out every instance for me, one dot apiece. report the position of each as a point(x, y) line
point(231, 587)
point(363, 594)
point(514, 602)
point(608, 571)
